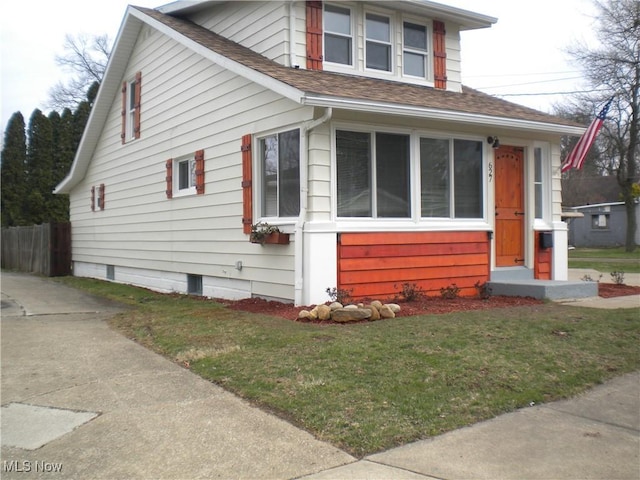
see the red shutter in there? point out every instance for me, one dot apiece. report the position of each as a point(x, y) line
point(101, 195)
point(199, 172)
point(136, 100)
point(93, 199)
point(314, 35)
point(439, 55)
point(247, 189)
point(169, 178)
point(123, 131)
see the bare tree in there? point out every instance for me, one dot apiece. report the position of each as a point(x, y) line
point(613, 69)
point(85, 57)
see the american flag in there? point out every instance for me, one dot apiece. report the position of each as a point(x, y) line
point(579, 152)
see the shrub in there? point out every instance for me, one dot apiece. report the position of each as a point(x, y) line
point(450, 292)
point(587, 278)
point(339, 295)
point(617, 277)
point(484, 290)
point(411, 291)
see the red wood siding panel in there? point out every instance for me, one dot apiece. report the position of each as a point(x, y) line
point(247, 189)
point(377, 264)
point(169, 177)
point(199, 157)
point(101, 194)
point(439, 55)
point(542, 266)
point(314, 35)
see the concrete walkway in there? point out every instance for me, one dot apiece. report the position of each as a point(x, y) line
point(81, 401)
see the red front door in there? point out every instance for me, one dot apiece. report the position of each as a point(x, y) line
point(509, 234)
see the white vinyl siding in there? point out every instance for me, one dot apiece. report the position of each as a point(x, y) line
point(190, 104)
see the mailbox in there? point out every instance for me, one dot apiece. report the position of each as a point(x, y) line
point(546, 239)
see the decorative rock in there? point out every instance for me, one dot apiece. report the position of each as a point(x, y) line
point(377, 304)
point(351, 307)
point(386, 312)
point(395, 308)
point(304, 314)
point(344, 315)
point(375, 313)
point(324, 312)
point(335, 306)
point(313, 314)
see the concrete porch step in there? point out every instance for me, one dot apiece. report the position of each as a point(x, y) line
point(544, 289)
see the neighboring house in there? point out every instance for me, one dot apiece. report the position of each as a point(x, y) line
point(601, 225)
point(343, 123)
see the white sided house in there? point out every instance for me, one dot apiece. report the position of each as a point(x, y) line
point(344, 124)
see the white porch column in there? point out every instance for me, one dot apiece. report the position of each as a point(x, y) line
point(560, 261)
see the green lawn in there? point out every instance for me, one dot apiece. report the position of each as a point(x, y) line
point(372, 386)
point(605, 260)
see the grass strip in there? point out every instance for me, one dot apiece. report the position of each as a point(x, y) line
point(373, 386)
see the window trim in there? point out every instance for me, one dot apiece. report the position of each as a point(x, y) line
point(392, 41)
point(415, 220)
point(427, 53)
point(258, 175)
point(352, 28)
point(191, 189)
point(545, 221)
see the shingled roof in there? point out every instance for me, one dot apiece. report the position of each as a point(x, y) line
point(353, 87)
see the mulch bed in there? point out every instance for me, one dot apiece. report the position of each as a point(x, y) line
point(428, 305)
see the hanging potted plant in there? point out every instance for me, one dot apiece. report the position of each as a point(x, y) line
point(263, 233)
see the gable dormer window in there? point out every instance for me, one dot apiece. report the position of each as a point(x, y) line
point(378, 34)
point(414, 54)
point(338, 37)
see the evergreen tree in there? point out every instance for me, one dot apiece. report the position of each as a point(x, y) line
point(39, 169)
point(12, 172)
point(62, 130)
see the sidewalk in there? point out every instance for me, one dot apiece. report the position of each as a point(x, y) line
point(109, 408)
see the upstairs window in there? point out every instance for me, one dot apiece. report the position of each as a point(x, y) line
point(280, 166)
point(186, 175)
point(414, 55)
point(378, 34)
point(131, 98)
point(338, 39)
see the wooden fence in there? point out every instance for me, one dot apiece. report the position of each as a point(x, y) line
point(43, 249)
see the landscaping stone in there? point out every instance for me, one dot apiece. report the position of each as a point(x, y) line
point(344, 315)
point(387, 312)
point(395, 308)
point(324, 312)
point(375, 313)
point(350, 313)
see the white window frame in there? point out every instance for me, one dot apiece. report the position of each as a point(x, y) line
point(428, 56)
point(416, 221)
point(131, 109)
point(545, 222)
point(191, 188)
point(258, 204)
point(352, 27)
point(390, 44)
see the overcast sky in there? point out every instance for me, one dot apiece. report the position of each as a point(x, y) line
point(522, 53)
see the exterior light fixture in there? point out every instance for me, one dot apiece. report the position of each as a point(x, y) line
point(494, 142)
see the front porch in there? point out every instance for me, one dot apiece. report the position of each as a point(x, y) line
point(519, 282)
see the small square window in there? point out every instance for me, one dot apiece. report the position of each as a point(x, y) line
point(185, 175)
point(600, 221)
point(111, 272)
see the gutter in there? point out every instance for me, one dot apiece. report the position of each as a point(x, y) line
point(443, 115)
point(304, 196)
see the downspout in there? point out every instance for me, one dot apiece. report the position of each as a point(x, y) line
point(304, 195)
point(292, 35)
